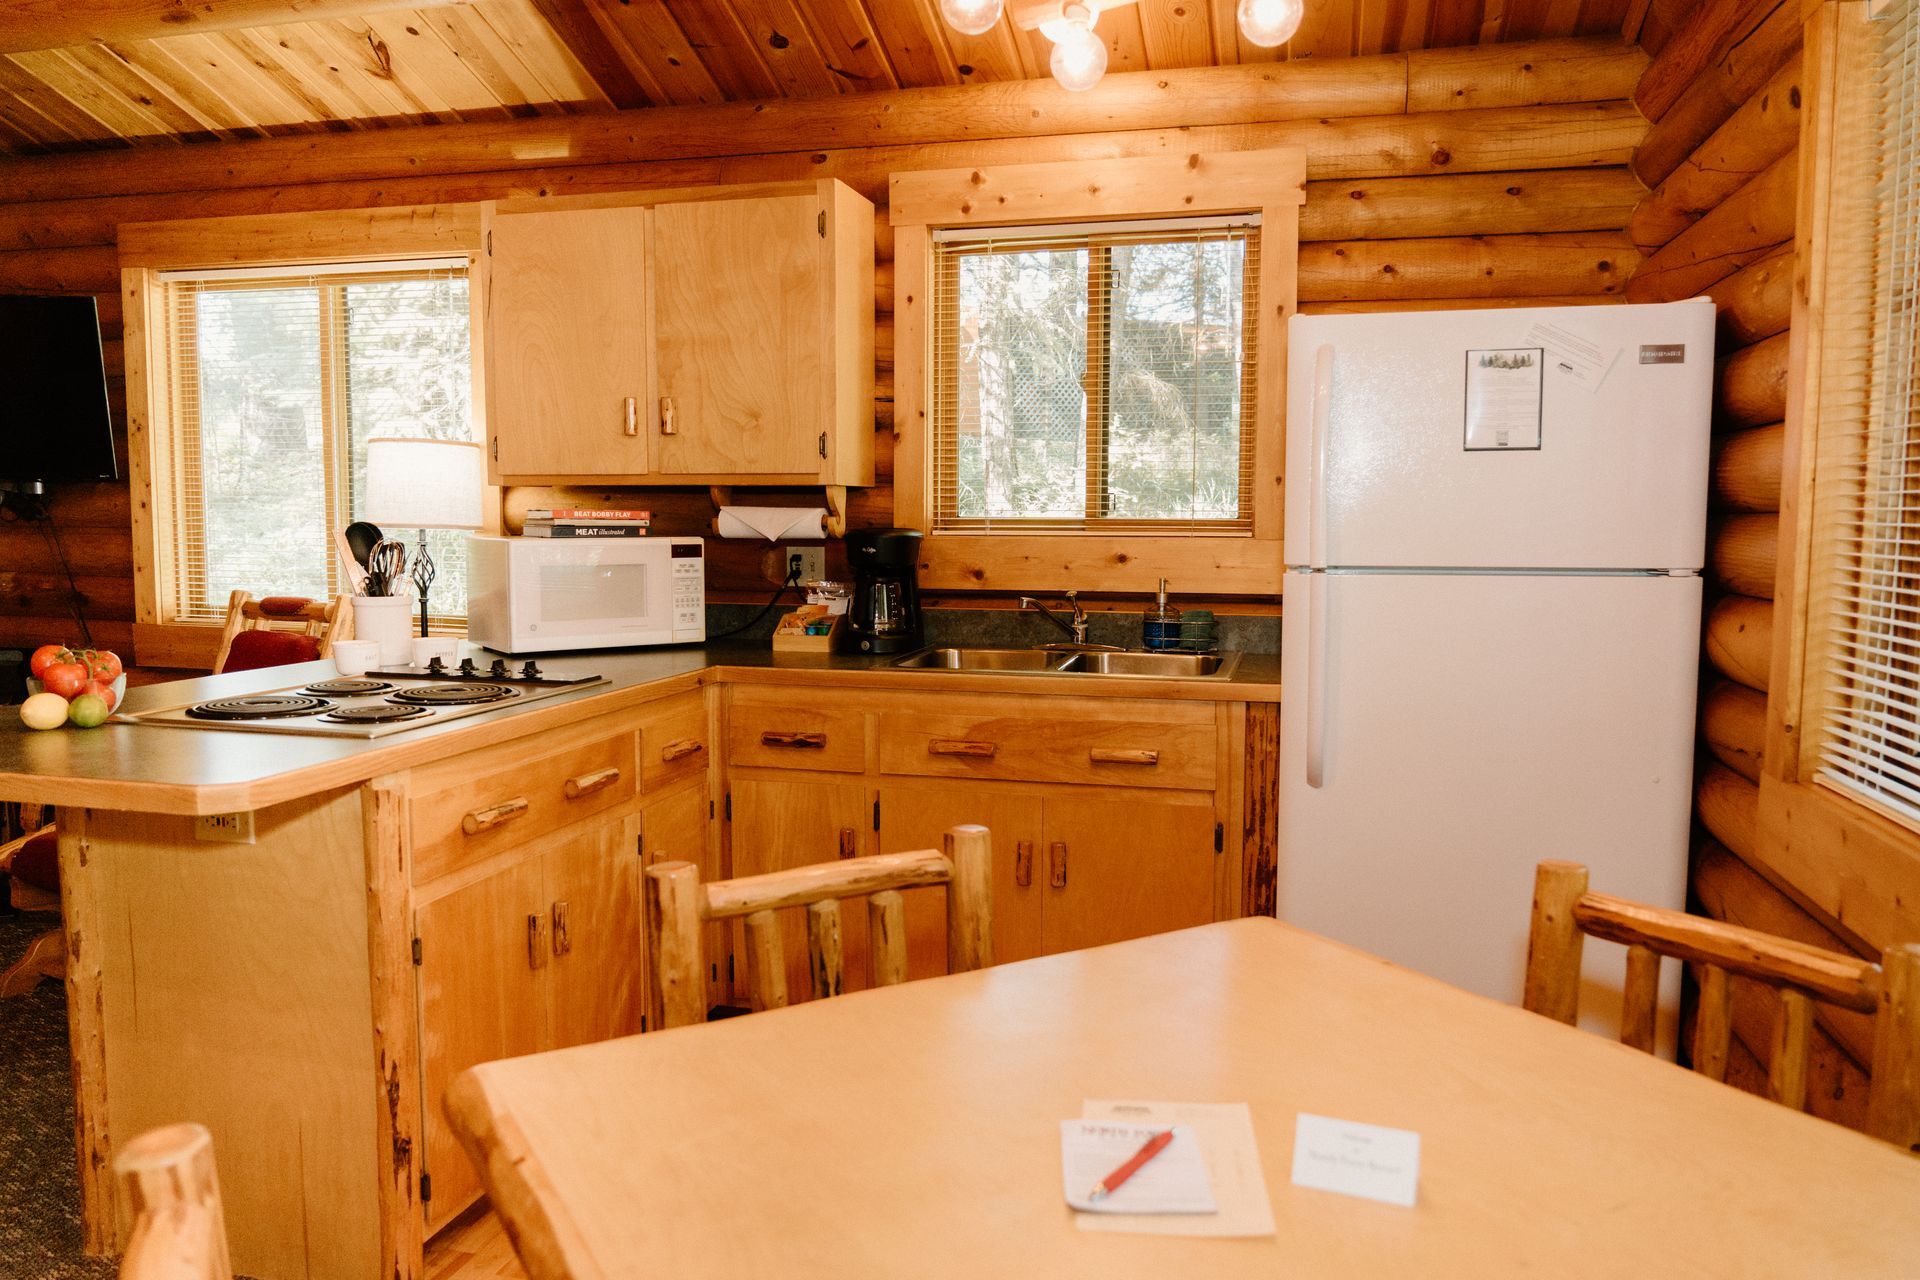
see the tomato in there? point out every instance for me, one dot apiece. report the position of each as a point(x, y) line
point(64, 678)
point(45, 656)
point(102, 689)
point(103, 664)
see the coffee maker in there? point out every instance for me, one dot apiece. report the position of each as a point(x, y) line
point(885, 614)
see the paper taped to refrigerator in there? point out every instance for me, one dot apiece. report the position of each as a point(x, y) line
point(1503, 398)
point(1581, 360)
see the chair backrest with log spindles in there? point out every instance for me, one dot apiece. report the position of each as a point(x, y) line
point(677, 904)
point(1565, 912)
point(179, 1228)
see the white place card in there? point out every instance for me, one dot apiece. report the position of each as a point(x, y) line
point(1354, 1159)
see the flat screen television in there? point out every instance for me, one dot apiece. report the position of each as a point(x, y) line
point(54, 423)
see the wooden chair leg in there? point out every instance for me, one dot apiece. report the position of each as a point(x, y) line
point(46, 957)
point(168, 1178)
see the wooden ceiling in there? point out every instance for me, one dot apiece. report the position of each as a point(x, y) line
point(88, 74)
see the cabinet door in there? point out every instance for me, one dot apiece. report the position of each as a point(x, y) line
point(592, 880)
point(739, 336)
point(1131, 867)
point(782, 823)
point(567, 343)
point(917, 818)
point(480, 999)
point(675, 830)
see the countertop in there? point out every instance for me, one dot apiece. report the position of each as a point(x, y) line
point(157, 769)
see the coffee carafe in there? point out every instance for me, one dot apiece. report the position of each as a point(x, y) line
point(885, 614)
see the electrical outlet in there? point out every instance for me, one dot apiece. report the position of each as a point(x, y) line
point(808, 564)
point(233, 828)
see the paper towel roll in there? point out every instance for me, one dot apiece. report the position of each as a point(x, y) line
point(773, 523)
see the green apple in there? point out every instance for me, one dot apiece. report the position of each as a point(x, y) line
point(89, 711)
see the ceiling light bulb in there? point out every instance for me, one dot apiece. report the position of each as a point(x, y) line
point(1268, 23)
point(1079, 56)
point(971, 17)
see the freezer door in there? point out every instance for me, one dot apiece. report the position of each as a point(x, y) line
point(1462, 728)
point(1394, 424)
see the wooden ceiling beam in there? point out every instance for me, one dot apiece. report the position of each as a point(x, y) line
point(26, 25)
point(1521, 74)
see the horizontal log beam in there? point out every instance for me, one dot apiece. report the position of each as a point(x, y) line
point(1366, 306)
point(1756, 301)
point(1729, 808)
point(1747, 466)
point(1309, 89)
point(1740, 639)
point(1709, 31)
point(27, 25)
point(1750, 386)
point(1733, 721)
point(1489, 75)
point(1717, 94)
point(1470, 204)
point(1766, 127)
point(1743, 228)
point(1744, 554)
point(1465, 267)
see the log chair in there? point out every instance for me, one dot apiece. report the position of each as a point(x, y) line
point(179, 1227)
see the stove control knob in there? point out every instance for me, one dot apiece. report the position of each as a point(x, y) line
point(499, 669)
point(466, 666)
point(437, 665)
point(529, 670)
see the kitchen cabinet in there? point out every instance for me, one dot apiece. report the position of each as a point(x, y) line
point(712, 336)
point(1118, 868)
point(918, 816)
point(779, 823)
point(674, 828)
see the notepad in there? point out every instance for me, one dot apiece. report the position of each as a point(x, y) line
point(1224, 1131)
point(1174, 1181)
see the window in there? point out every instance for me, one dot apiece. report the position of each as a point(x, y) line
point(1097, 377)
point(274, 379)
point(1868, 495)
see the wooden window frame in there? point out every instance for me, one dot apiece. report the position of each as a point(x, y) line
point(1271, 183)
point(1834, 851)
point(262, 240)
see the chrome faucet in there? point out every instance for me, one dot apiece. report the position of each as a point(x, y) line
point(1077, 628)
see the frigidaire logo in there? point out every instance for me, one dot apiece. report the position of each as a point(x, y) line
point(1663, 353)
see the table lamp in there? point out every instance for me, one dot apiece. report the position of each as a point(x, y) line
point(425, 484)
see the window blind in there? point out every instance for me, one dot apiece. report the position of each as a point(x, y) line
point(1095, 377)
point(1870, 739)
point(275, 379)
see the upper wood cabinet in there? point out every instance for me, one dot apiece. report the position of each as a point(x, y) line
point(712, 336)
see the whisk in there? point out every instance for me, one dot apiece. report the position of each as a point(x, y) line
point(386, 565)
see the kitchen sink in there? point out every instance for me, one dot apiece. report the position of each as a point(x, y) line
point(1071, 662)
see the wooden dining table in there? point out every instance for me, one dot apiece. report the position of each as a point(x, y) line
point(915, 1131)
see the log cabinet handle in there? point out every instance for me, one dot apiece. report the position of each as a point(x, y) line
point(536, 940)
point(1023, 863)
point(849, 845)
point(1118, 755)
point(681, 749)
point(961, 747)
point(586, 784)
point(798, 741)
point(1057, 864)
point(633, 417)
point(562, 940)
point(667, 427)
point(497, 815)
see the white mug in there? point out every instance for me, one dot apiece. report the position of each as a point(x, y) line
point(427, 648)
point(353, 657)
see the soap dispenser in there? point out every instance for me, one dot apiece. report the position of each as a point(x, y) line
point(1162, 628)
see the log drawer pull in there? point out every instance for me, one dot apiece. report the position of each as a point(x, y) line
point(798, 741)
point(495, 816)
point(1023, 863)
point(587, 783)
point(1120, 755)
point(667, 427)
point(681, 749)
point(633, 417)
point(536, 940)
point(961, 747)
point(849, 843)
point(562, 940)
point(1057, 864)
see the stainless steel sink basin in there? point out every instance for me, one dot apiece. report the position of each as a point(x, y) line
point(1160, 666)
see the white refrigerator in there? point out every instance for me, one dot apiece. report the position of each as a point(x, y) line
point(1495, 524)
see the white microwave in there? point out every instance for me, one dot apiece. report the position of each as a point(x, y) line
point(538, 595)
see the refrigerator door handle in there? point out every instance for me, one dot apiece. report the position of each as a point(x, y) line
point(1317, 483)
point(1316, 678)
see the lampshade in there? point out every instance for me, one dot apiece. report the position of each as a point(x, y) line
point(425, 484)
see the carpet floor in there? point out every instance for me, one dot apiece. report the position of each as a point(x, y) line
point(39, 1188)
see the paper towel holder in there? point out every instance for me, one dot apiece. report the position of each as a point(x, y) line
point(721, 495)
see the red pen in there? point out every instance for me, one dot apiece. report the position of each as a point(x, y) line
point(1111, 1183)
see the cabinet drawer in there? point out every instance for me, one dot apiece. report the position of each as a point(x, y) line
point(1174, 746)
point(673, 741)
point(473, 806)
point(795, 733)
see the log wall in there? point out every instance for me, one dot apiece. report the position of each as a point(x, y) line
point(1483, 174)
point(1722, 158)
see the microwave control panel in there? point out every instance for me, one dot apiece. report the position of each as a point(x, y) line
point(689, 590)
